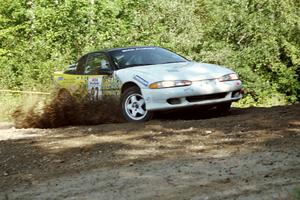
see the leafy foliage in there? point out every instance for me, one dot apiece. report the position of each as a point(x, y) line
point(260, 39)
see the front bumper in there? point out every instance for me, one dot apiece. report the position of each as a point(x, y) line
point(204, 92)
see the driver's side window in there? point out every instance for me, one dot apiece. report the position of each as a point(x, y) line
point(96, 63)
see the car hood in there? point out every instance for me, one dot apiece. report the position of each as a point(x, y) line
point(179, 71)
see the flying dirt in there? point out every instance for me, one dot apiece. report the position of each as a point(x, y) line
point(252, 153)
point(65, 109)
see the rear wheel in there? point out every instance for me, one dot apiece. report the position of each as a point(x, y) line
point(134, 106)
point(224, 107)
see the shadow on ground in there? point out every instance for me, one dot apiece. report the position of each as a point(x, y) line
point(30, 155)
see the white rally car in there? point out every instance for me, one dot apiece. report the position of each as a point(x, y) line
point(148, 79)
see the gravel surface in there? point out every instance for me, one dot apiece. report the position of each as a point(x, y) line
point(252, 153)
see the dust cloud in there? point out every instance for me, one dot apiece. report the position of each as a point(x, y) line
point(65, 109)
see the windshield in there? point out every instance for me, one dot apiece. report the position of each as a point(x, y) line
point(141, 56)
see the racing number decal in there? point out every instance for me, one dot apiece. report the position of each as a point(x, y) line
point(103, 85)
point(95, 87)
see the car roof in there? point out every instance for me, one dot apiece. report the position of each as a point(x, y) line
point(123, 48)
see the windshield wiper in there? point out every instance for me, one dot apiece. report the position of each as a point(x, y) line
point(136, 65)
point(174, 62)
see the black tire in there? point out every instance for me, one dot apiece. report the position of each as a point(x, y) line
point(224, 107)
point(133, 110)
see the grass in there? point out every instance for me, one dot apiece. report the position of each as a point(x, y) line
point(8, 103)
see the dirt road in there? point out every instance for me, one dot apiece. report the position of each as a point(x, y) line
point(252, 153)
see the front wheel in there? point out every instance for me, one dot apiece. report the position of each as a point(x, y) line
point(134, 106)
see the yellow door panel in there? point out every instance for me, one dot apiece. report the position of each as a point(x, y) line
point(72, 82)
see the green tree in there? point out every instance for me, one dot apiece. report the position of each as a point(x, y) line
point(260, 39)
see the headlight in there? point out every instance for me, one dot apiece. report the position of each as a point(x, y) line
point(168, 84)
point(229, 77)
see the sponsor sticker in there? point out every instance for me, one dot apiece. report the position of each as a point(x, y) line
point(94, 87)
point(138, 49)
point(172, 70)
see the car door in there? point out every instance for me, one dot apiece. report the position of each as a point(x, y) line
point(73, 78)
point(100, 77)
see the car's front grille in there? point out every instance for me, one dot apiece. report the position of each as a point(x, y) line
point(206, 97)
